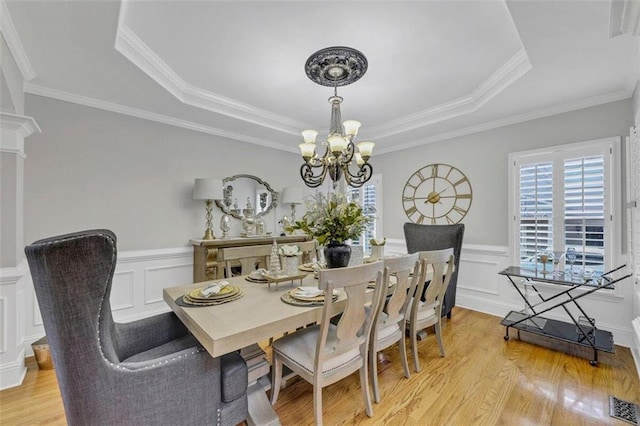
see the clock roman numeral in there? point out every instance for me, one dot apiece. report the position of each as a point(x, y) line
point(461, 196)
point(449, 220)
point(434, 170)
point(464, 179)
point(460, 210)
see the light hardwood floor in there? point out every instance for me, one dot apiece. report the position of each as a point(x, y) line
point(483, 380)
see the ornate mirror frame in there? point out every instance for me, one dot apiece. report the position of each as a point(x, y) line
point(226, 205)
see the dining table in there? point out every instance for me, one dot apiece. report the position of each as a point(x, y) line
point(259, 315)
point(256, 316)
point(240, 324)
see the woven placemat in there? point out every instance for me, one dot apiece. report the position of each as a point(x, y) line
point(181, 301)
point(287, 298)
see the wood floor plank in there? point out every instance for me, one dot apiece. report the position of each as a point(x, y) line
point(483, 380)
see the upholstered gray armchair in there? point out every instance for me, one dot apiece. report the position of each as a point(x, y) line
point(438, 237)
point(150, 371)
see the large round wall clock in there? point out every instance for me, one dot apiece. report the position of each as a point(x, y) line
point(437, 194)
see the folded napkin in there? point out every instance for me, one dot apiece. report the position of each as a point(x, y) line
point(309, 291)
point(214, 288)
point(258, 274)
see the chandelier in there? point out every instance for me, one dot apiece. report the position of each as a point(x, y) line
point(336, 66)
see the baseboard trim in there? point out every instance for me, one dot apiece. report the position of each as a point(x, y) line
point(12, 374)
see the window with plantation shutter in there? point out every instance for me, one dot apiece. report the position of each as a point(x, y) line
point(562, 198)
point(368, 196)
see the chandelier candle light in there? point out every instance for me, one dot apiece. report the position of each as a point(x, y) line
point(208, 190)
point(336, 66)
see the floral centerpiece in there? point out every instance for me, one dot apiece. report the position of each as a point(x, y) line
point(332, 220)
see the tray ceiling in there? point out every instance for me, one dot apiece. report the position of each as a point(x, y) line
point(235, 69)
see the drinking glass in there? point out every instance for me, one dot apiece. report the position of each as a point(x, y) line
point(571, 257)
point(557, 257)
point(544, 258)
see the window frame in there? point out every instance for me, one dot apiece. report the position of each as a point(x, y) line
point(610, 148)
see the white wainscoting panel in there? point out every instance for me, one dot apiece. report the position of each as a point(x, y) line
point(161, 277)
point(471, 268)
point(146, 273)
point(122, 290)
point(12, 366)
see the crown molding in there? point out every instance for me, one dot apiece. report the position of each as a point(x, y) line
point(13, 41)
point(146, 115)
point(142, 56)
point(624, 18)
point(630, 22)
point(517, 66)
point(521, 118)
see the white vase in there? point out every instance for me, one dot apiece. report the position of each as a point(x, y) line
point(377, 253)
point(290, 265)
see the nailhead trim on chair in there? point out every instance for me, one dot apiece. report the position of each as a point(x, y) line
point(113, 257)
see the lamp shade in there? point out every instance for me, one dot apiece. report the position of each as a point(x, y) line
point(351, 127)
point(307, 150)
point(309, 136)
point(366, 149)
point(292, 195)
point(208, 189)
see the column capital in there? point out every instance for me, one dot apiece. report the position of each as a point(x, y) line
point(14, 128)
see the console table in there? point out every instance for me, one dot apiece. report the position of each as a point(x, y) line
point(206, 264)
point(582, 332)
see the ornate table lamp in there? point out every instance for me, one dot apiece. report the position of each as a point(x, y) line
point(292, 195)
point(208, 190)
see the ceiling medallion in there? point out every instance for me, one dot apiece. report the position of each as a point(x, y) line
point(336, 66)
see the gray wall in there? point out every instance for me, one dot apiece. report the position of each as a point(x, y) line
point(90, 168)
point(483, 158)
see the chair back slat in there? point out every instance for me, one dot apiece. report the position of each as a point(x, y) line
point(400, 268)
point(355, 324)
point(437, 268)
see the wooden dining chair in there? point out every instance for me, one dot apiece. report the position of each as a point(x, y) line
point(251, 257)
point(248, 256)
point(389, 323)
point(436, 268)
point(326, 353)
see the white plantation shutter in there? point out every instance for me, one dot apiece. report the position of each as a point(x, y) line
point(584, 209)
point(369, 197)
point(564, 198)
point(536, 209)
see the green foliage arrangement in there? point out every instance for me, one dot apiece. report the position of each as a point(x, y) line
point(332, 219)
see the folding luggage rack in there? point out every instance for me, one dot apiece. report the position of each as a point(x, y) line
point(583, 331)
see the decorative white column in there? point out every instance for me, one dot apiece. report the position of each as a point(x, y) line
point(13, 129)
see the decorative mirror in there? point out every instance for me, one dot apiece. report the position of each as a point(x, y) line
point(247, 195)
